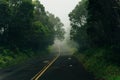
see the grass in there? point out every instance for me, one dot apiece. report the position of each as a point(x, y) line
point(93, 60)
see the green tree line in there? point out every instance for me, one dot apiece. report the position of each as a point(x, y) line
point(96, 24)
point(96, 29)
point(25, 25)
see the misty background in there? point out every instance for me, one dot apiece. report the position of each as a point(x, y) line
point(61, 9)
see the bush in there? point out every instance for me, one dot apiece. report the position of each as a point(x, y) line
point(95, 62)
point(9, 58)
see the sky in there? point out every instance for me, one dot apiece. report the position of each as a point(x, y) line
point(60, 8)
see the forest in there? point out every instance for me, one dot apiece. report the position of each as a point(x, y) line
point(26, 29)
point(96, 29)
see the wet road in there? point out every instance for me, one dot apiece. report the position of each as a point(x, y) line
point(25, 71)
point(67, 68)
point(64, 68)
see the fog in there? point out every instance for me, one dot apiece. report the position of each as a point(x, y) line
point(65, 47)
point(62, 8)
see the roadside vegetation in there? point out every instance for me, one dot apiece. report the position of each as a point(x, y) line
point(95, 63)
point(26, 30)
point(8, 58)
point(95, 27)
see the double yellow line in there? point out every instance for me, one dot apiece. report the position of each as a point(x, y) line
point(39, 74)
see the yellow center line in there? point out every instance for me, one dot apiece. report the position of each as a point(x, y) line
point(39, 74)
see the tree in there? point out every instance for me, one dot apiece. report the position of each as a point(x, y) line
point(103, 21)
point(41, 16)
point(20, 25)
point(4, 21)
point(58, 26)
point(78, 20)
point(99, 26)
point(25, 25)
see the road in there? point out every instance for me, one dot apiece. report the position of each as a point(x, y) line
point(25, 71)
point(64, 68)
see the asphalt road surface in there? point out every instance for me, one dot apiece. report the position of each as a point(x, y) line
point(64, 68)
point(25, 71)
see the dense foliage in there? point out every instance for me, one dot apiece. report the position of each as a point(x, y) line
point(96, 23)
point(25, 25)
point(26, 31)
point(78, 22)
point(96, 29)
point(58, 26)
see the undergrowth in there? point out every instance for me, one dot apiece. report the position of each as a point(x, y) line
point(9, 58)
point(94, 61)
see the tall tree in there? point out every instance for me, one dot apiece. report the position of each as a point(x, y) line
point(5, 15)
point(103, 21)
point(57, 25)
point(99, 26)
point(79, 24)
point(20, 25)
point(24, 24)
point(41, 17)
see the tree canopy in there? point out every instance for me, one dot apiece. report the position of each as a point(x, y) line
point(95, 23)
point(24, 24)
